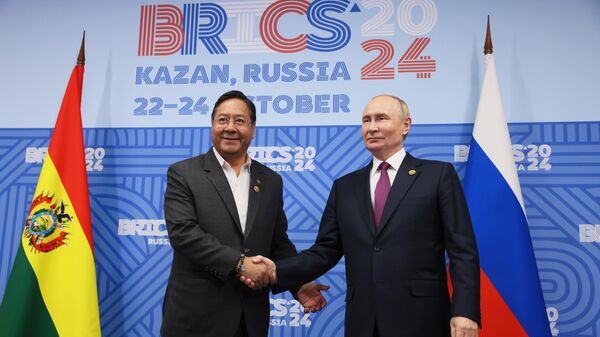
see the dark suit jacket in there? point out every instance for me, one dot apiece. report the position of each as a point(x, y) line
point(396, 276)
point(204, 297)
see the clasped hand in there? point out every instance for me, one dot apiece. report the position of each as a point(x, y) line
point(260, 272)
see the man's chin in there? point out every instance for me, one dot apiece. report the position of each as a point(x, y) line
point(230, 145)
point(230, 149)
point(372, 146)
point(233, 150)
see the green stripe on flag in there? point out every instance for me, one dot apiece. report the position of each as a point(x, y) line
point(23, 312)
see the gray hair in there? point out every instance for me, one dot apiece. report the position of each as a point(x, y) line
point(402, 106)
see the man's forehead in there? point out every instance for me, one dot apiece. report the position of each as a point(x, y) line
point(382, 105)
point(233, 105)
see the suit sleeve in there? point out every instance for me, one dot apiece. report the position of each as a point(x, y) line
point(187, 237)
point(318, 259)
point(461, 247)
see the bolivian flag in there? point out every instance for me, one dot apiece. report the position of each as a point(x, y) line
point(52, 286)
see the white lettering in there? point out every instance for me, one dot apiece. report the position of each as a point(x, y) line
point(589, 233)
point(142, 227)
point(35, 154)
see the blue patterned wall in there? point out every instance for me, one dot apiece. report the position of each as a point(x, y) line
point(559, 169)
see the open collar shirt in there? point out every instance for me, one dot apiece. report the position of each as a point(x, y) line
point(239, 184)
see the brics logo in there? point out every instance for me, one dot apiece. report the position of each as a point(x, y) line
point(154, 229)
point(166, 29)
point(318, 26)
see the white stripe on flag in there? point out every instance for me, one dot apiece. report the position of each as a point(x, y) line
point(491, 131)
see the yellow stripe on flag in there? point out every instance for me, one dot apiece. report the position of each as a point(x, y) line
point(61, 259)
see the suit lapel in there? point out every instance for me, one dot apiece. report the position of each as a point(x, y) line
point(256, 181)
point(363, 197)
point(217, 178)
point(405, 177)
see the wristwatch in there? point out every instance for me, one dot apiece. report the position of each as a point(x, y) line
point(239, 268)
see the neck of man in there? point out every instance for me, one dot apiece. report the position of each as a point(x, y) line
point(236, 162)
point(384, 156)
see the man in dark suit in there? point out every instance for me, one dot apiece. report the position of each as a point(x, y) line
point(393, 220)
point(219, 207)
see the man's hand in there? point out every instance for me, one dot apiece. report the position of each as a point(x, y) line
point(260, 272)
point(311, 298)
point(462, 327)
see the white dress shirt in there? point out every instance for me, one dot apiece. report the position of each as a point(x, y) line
point(239, 184)
point(395, 161)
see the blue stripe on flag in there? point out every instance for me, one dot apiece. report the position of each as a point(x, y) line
point(504, 241)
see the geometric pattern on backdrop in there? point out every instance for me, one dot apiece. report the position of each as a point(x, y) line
point(558, 166)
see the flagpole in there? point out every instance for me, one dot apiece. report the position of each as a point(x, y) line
point(81, 57)
point(487, 47)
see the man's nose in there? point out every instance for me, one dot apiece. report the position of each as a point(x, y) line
point(230, 127)
point(373, 127)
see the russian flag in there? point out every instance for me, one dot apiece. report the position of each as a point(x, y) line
point(512, 303)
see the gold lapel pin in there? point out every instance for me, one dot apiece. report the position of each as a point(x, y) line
point(256, 189)
point(412, 172)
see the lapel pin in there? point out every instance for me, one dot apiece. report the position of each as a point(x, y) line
point(412, 172)
point(258, 181)
point(256, 189)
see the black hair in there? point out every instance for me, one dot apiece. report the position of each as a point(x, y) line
point(237, 95)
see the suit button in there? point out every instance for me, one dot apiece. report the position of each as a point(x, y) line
point(376, 249)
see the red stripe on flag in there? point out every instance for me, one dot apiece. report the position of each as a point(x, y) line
point(497, 320)
point(67, 152)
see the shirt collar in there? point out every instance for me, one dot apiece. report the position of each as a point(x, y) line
point(395, 161)
point(224, 164)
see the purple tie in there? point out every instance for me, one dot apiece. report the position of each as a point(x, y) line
point(381, 192)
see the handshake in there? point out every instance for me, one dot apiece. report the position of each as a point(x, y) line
point(258, 272)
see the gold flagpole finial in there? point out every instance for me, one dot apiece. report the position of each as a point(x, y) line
point(487, 48)
point(81, 57)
